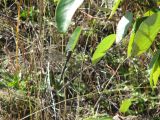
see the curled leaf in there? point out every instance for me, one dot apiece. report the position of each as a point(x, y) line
point(123, 26)
point(64, 13)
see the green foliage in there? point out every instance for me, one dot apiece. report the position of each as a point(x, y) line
point(125, 105)
point(79, 87)
point(56, 1)
point(31, 14)
point(132, 36)
point(146, 34)
point(80, 77)
point(12, 81)
point(143, 34)
point(99, 117)
point(151, 12)
point(123, 26)
point(115, 6)
point(64, 13)
point(102, 48)
point(155, 69)
point(73, 39)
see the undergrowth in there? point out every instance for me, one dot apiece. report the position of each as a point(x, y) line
point(32, 57)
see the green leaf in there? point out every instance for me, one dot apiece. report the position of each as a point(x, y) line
point(125, 105)
point(146, 34)
point(123, 26)
point(99, 117)
point(64, 13)
point(102, 48)
point(32, 13)
point(131, 42)
point(115, 6)
point(155, 69)
point(151, 11)
point(56, 1)
point(73, 39)
point(134, 30)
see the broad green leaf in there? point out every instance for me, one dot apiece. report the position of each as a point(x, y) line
point(146, 34)
point(123, 26)
point(115, 6)
point(134, 29)
point(102, 48)
point(73, 39)
point(64, 13)
point(155, 69)
point(124, 107)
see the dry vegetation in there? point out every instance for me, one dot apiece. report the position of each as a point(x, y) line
point(32, 56)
